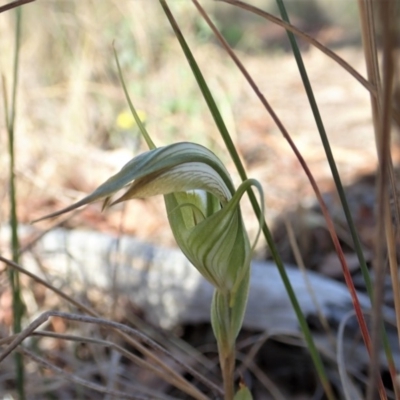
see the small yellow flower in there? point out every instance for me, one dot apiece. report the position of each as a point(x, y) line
point(126, 121)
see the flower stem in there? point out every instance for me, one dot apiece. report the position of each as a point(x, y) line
point(225, 331)
point(227, 362)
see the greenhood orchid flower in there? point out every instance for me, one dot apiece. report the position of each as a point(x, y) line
point(203, 212)
point(201, 202)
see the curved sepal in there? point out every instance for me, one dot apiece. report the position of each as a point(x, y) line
point(151, 164)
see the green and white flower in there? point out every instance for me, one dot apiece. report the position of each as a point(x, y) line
point(202, 206)
point(205, 218)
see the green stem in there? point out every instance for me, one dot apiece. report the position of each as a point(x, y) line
point(227, 362)
point(18, 307)
point(222, 320)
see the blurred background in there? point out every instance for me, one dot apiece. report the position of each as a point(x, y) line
point(73, 128)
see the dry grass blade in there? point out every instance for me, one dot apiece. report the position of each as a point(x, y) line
point(389, 66)
point(368, 38)
point(84, 339)
point(81, 339)
point(135, 359)
point(248, 363)
point(18, 339)
point(130, 335)
point(382, 109)
point(79, 380)
point(14, 4)
point(177, 343)
point(39, 236)
point(302, 267)
point(250, 356)
point(348, 388)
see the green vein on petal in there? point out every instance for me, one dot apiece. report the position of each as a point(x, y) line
point(210, 244)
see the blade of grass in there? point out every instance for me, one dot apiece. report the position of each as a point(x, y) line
point(347, 385)
point(384, 225)
point(17, 304)
point(370, 52)
point(138, 121)
point(366, 12)
point(235, 157)
point(371, 58)
point(17, 340)
point(78, 380)
point(14, 4)
point(302, 267)
point(339, 187)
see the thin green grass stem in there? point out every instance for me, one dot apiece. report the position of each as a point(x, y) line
point(239, 166)
point(18, 308)
point(132, 108)
point(333, 167)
